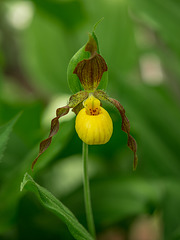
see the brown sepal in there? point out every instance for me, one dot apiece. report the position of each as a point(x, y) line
point(90, 71)
point(54, 129)
point(125, 123)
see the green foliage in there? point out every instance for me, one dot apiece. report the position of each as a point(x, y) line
point(34, 72)
point(5, 131)
point(122, 198)
point(54, 205)
point(63, 11)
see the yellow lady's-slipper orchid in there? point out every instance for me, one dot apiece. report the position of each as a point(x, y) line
point(93, 123)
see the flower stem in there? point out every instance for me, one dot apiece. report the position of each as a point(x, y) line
point(87, 197)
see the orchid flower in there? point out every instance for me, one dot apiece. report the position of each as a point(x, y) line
point(93, 125)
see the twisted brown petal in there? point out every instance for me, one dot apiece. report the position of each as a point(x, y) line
point(74, 101)
point(126, 128)
point(125, 123)
point(78, 108)
point(77, 98)
point(54, 129)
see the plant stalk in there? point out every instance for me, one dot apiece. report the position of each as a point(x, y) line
point(87, 197)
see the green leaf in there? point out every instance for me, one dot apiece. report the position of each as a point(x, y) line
point(54, 205)
point(11, 177)
point(51, 48)
point(117, 198)
point(4, 134)
point(162, 17)
point(171, 211)
point(64, 12)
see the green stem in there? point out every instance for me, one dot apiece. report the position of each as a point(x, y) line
point(87, 197)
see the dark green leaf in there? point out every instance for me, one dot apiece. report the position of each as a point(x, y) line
point(4, 134)
point(54, 205)
point(51, 48)
point(171, 211)
point(63, 11)
point(115, 199)
point(161, 17)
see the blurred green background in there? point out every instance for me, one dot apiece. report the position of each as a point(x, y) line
point(140, 42)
